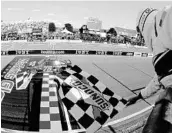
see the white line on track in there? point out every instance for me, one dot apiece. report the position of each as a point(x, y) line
point(140, 70)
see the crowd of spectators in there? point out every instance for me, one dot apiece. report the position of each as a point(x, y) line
point(21, 31)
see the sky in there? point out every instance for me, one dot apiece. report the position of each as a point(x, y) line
point(111, 13)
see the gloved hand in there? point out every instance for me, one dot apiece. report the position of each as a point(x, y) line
point(134, 99)
point(165, 95)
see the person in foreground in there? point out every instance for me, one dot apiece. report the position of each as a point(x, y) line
point(155, 27)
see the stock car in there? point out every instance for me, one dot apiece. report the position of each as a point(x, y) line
point(29, 84)
point(21, 94)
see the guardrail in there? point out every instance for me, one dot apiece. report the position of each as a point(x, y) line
point(72, 41)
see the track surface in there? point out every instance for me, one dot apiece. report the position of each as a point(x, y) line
point(118, 73)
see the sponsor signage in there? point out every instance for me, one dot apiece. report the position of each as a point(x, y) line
point(75, 52)
point(17, 65)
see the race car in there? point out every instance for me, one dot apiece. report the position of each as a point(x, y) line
point(66, 88)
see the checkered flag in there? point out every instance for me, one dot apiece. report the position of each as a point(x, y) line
point(88, 100)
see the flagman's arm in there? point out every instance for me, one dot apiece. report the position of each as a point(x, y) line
point(153, 86)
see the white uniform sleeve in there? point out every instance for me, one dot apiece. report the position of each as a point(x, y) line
point(164, 29)
point(153, 86)
point(168, 27)
point(167, 81)
point(170, 24)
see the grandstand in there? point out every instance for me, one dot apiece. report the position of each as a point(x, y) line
point(21, 29)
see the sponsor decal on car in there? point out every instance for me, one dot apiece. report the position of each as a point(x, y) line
point(16, 68)
point(6, 87)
